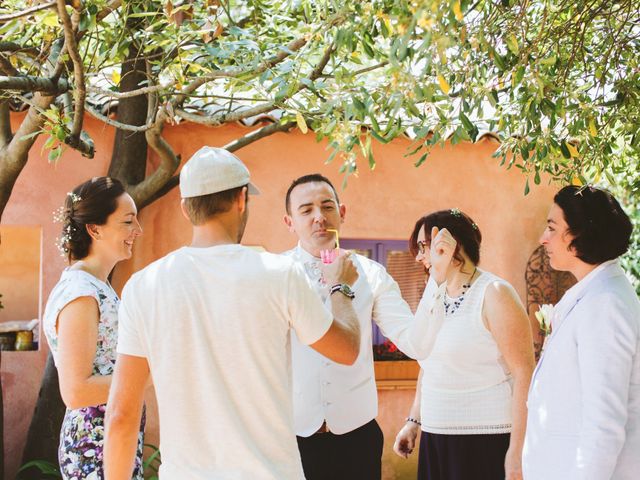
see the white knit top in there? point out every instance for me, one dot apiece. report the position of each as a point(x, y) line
point(466, 388)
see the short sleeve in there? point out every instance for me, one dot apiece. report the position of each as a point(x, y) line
point(308, 315)
point(65, 292)
point(129, 320)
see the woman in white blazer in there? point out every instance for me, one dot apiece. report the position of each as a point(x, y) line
point(584, 400)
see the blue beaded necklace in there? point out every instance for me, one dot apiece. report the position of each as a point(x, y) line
point(452, 304)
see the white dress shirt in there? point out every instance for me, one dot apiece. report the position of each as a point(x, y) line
point(584, 400)
point(346, 396)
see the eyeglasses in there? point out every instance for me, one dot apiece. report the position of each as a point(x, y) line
point(422, 246)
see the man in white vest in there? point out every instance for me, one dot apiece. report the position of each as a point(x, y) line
point(335, 405)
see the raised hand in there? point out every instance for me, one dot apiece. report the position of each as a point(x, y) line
point(340, 270)
point(443, 246)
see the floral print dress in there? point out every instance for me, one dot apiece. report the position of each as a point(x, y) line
point(82, 434)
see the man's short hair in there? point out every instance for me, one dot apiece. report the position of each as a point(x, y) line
point(204, 207)
point(311, 178)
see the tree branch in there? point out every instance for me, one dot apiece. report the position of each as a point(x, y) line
point(292, 47)
point(34, 84)
point(17, 48)
point(84, 143)
point(106, 11)
point(227, 117)
point(27, 11)
point(172, 183)
point(79, 92)
point(169, 163)
point(258, 109)
point(7, 68)
point(14, 156)
point(133, 93)
point(109, 121)
point(258, 134)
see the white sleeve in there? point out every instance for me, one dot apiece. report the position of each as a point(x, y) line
point(307, 315)
point(414, 336)
point(129, 342)
point(606, 341)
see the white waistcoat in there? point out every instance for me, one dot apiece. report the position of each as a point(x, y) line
point(346, 396)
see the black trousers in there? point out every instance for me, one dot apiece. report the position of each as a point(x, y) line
point(462, 457)
point(355, 455)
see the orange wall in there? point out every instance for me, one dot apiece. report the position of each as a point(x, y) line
point(20, 272)
point(381, 204)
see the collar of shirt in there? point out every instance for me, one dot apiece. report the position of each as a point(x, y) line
point(573, 295)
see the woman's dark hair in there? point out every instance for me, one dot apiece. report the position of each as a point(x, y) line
point(90, 203)
point(600, 228)
point(461, 227)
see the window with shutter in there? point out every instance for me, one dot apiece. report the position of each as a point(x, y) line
point(401, 265)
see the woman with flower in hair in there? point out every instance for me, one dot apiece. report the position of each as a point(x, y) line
point(470, 399)
point(584, 401)
point(80, 320)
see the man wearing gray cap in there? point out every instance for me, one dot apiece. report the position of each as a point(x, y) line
point(211, 324)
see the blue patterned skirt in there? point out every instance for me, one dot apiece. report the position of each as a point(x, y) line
point(82, 442)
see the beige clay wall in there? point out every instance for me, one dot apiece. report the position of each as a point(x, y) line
point(382, 204)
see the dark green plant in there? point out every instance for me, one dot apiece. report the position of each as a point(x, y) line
point(151, 464)
point(48, 469)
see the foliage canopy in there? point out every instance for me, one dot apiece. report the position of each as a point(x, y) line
point(557, 80)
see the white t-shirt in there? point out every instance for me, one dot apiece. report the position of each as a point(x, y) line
point(213, 324)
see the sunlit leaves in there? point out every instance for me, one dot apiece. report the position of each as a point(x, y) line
point(558, 82)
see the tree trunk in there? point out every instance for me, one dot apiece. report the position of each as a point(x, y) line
point(44, 431)
point(129, 157)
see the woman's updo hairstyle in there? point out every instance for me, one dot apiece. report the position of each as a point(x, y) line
point(90, 203)
point(601, 229)
point(460, 226)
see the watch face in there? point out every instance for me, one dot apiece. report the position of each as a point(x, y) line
point(346, 289)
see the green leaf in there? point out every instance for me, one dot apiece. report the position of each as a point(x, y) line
point(519, 74)
point(421, 160)
point(471, 129)
point(50, 142)
point(51, 19)
point(360, 108)
point(549, 60)
point(45, 467)
point(512, 43)
point(31, 135)
point(55, 154)
point(526, 187)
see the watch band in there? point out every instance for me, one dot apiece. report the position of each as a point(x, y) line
point(344, 289)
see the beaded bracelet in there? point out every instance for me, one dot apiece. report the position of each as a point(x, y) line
point(413, 420)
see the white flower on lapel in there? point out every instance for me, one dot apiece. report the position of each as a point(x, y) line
point(544, 315)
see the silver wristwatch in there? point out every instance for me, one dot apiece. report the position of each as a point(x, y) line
point(344, 289)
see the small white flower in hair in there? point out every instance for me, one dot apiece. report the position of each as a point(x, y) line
point(74, 198)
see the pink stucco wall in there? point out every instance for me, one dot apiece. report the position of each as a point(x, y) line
point(382, 204)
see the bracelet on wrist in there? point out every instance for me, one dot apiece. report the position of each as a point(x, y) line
point(413, 420)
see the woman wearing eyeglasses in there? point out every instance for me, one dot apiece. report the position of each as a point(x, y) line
point(470, 400)
point(584, 401)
